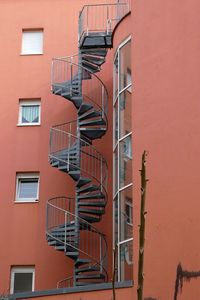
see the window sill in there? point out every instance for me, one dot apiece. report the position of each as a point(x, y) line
point(25, 202)
point(28, 124)
point(31, 54)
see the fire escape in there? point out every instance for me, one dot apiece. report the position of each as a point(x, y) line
point(69, 226)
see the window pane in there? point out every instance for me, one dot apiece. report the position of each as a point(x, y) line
point(32, 42)
point(125, 113)
point(125, 66)
point(116, 126)
point(116, 76)
point(28, 188)
point(23, 282)
point(116, 169)
point(126, 218)
point(125, 161)
point(116, 219)
point(126, 261)
point(30, 114)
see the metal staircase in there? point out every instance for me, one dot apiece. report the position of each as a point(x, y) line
point(70, 221)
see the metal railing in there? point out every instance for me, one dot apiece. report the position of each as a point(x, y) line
point(66, 282)
point(102, 18)
point(92, 243)
point(63, 139)
point(67, 71)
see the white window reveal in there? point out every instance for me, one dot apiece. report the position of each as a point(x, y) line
point(22, 279)
point(27, 187)
point(29, 112)
point(32, 41)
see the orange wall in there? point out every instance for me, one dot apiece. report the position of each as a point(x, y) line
point(166, 72)
point(26, 148)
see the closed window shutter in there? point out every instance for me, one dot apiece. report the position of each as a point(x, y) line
point(28, 188)
point(32, 42)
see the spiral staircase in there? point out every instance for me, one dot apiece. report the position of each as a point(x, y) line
point(69, 225)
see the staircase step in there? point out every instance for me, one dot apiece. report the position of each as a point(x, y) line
point(69, 228)
point(60, 248)
point(93, 133)
point(95, 59)
point(89, 188)
point(82, 261)
point(92, 211)
point(54, 163)
point(95, 204)
point(84, 107)
point(90, 114)
point(89, 219)
point(75, 175)
point(97, 40)
point(92, 51)
point(91, 196)
point(91, 276)
point(91, 67)
point(87, 269)
point(93, 122)
point(86, 283)
point(72, 255)
point(83, 181)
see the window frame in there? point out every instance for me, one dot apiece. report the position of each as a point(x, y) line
point(116, 143)
point(21, 269)
point(29, 102)
point(32, 30)
point(21, 176)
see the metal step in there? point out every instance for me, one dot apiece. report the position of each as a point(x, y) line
point(93, 122)
point(82, 261)
point(72, 255)
point(89, 188)
point(89, 219)
point(86, 283)
point(92, 211)
point(87, 269)
point(97, 40)
point(95, 204)
point(75, 175)
point(83, 181)
point(90, 276)
point(99, 52)
point(93, 133)
point(92, 67)
point(96, 59)
point(91, 196)
point(90, 114)
point(84, 107)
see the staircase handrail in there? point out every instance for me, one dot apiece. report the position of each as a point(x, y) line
point(111, 15)
point(69, 60)
point(69, 215)
point(72, 138)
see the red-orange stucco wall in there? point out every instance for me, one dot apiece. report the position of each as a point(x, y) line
point(25, 149)
point(166, 43)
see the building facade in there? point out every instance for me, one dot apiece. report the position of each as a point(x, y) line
point(123, 79)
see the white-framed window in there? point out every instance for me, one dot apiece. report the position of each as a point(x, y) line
point(122, 161)
point(129, 211)
point(29, 112)
point(27, 187)
point(32, 41)
point(22, 279)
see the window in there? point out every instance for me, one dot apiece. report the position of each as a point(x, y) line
point(122, 162)
point(32, 41)
point(27, 187)
point(29, 112)
point(22, 279)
